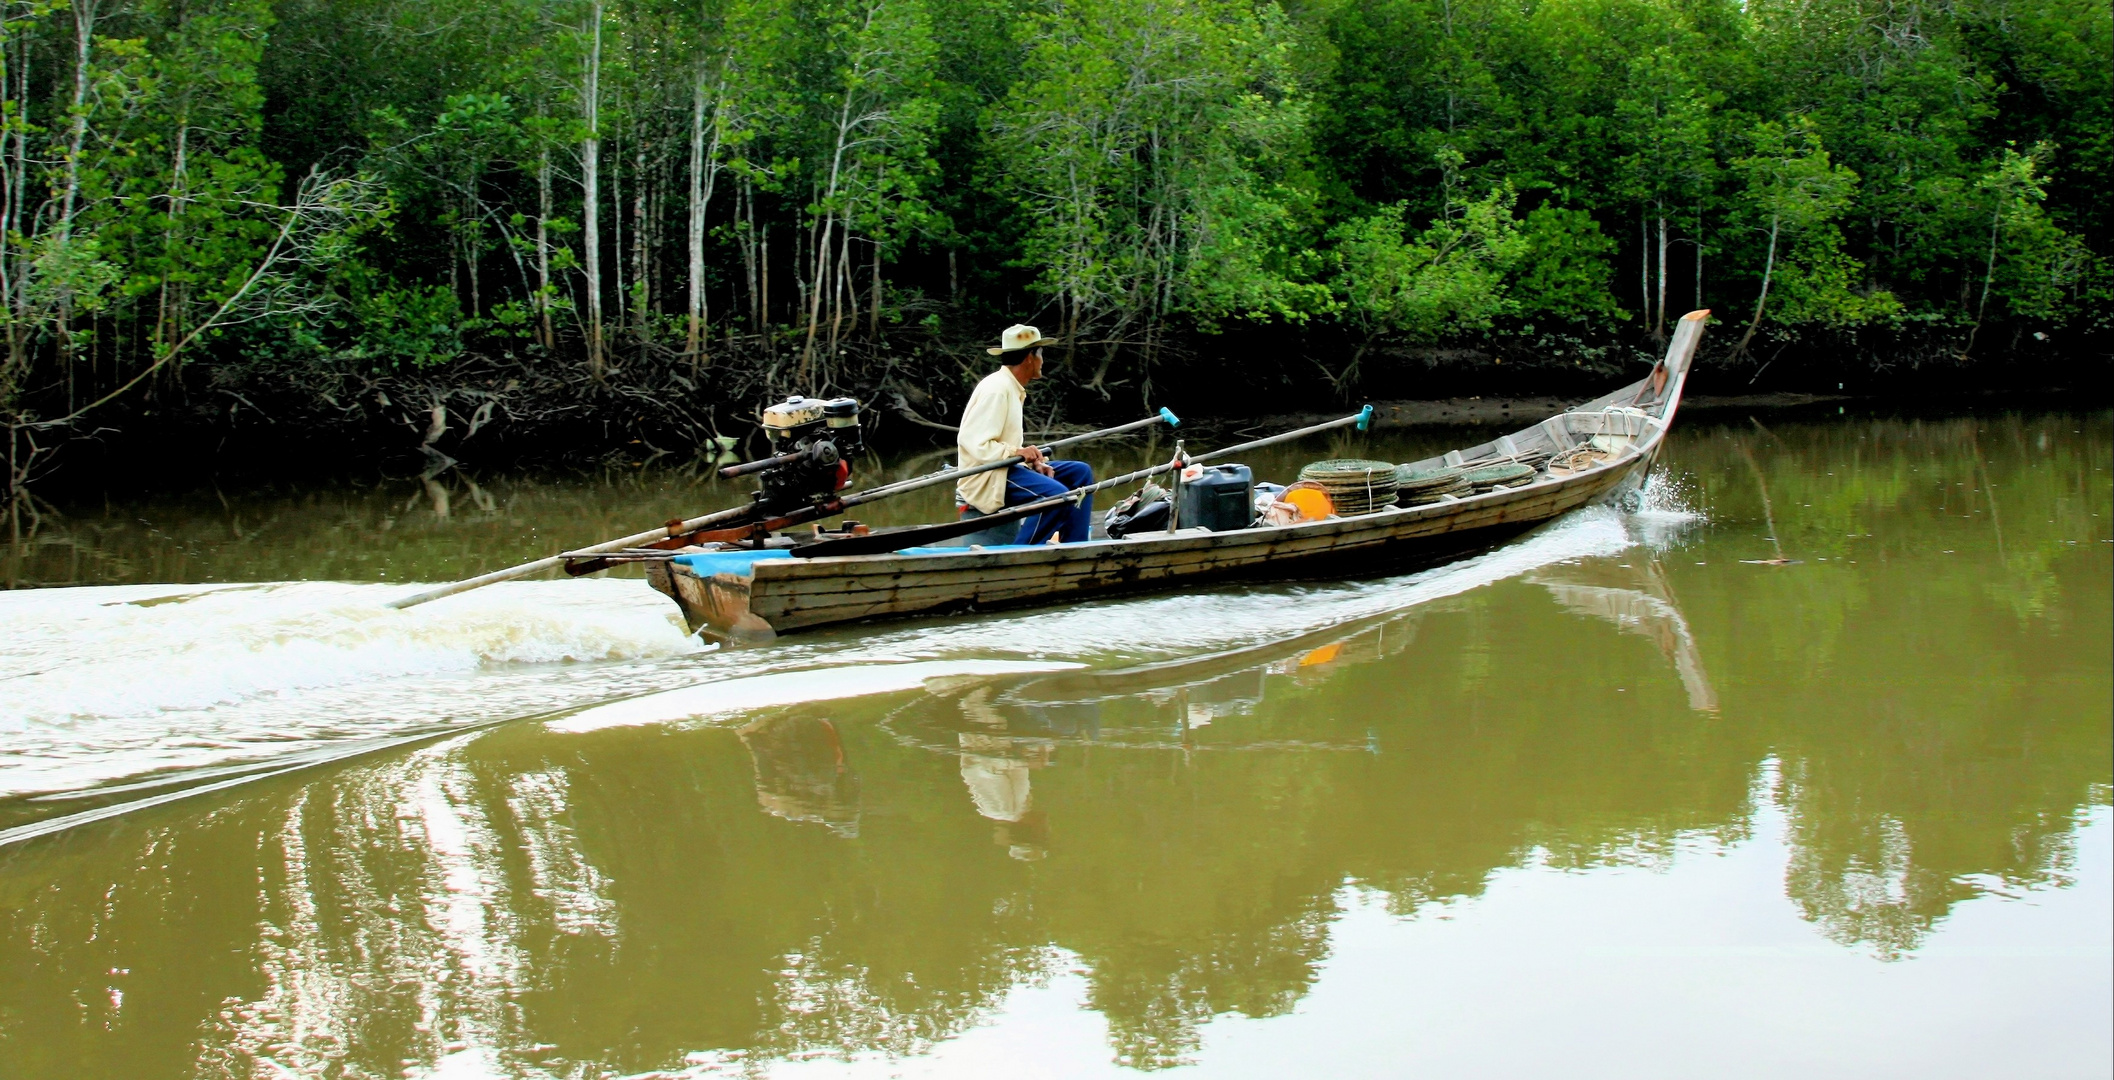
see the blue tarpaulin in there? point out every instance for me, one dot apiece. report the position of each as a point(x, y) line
point(706, 564)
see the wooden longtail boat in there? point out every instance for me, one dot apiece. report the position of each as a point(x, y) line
point(1609, 445)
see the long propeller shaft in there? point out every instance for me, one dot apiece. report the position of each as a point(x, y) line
point(742, 514)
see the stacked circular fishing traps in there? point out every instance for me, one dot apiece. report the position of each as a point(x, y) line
point(1421, 487)
point(1355, 486)
point(1504, 474)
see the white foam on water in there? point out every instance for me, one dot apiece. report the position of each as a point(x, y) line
point(72, 654)
point(1667, 501)
point(101, 683)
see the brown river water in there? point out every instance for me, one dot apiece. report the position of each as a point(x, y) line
point(1623, 796)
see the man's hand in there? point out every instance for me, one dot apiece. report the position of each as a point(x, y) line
point(1031, 456)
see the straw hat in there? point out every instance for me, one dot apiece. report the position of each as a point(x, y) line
point(1020, 336)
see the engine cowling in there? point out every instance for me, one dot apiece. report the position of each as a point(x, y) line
point(815, 440)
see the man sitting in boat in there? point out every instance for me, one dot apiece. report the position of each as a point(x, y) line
point(992, 430)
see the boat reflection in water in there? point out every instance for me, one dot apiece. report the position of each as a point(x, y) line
point(1641, 601)
point(1004, 736)
point(1147, 707)
point(997, 768)
point(801, 772)
point(1166, 705)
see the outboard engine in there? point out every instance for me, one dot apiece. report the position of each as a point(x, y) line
point(812, 442)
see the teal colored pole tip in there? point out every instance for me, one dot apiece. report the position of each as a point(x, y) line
point(1169, 416)
point(1365, 418)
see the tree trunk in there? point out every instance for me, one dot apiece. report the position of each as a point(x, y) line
point(704, 174)
point(1989, 276)
point(544, 331)
point(1768, 269)
point(616, 224)
point(1069, 304)
point(803, 241)
point(821, 248)
point(178, 170)
point(823, 251)
point(763, 273)
point(693, 342)
point(17, 175)
point(1989, 269)
point(653, 234)
point(1699, 266)
point(745, 216)
point(873, 325)
point(840, 293)
point(84, 19)
point(1659, 316)
point(1644, 268)
point(591, 190)
point(640, 241)
point(471, 255)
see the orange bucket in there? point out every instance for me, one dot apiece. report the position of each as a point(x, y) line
point(1310, 500)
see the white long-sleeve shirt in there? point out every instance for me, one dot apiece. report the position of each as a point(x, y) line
point(990, 431)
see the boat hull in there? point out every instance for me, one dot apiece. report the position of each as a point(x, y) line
point(790, 595)
point(1625, 430)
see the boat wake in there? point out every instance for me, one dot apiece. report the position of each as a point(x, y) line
point(101, 684)
point(117, 691)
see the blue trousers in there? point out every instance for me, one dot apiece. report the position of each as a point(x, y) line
point(1070, 523)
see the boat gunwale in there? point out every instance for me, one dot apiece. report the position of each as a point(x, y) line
point(1182, 541)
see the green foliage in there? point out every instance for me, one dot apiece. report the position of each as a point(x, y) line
point(1791, 183)
point(1662, 122)
point(1156, 154)
point(1129, 171)
point(2032, 263)
point(1794, 196)
point(416, 326)
point(1448, 279)
point(1565, 272)
point(70, 271)
point(1821, 285)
